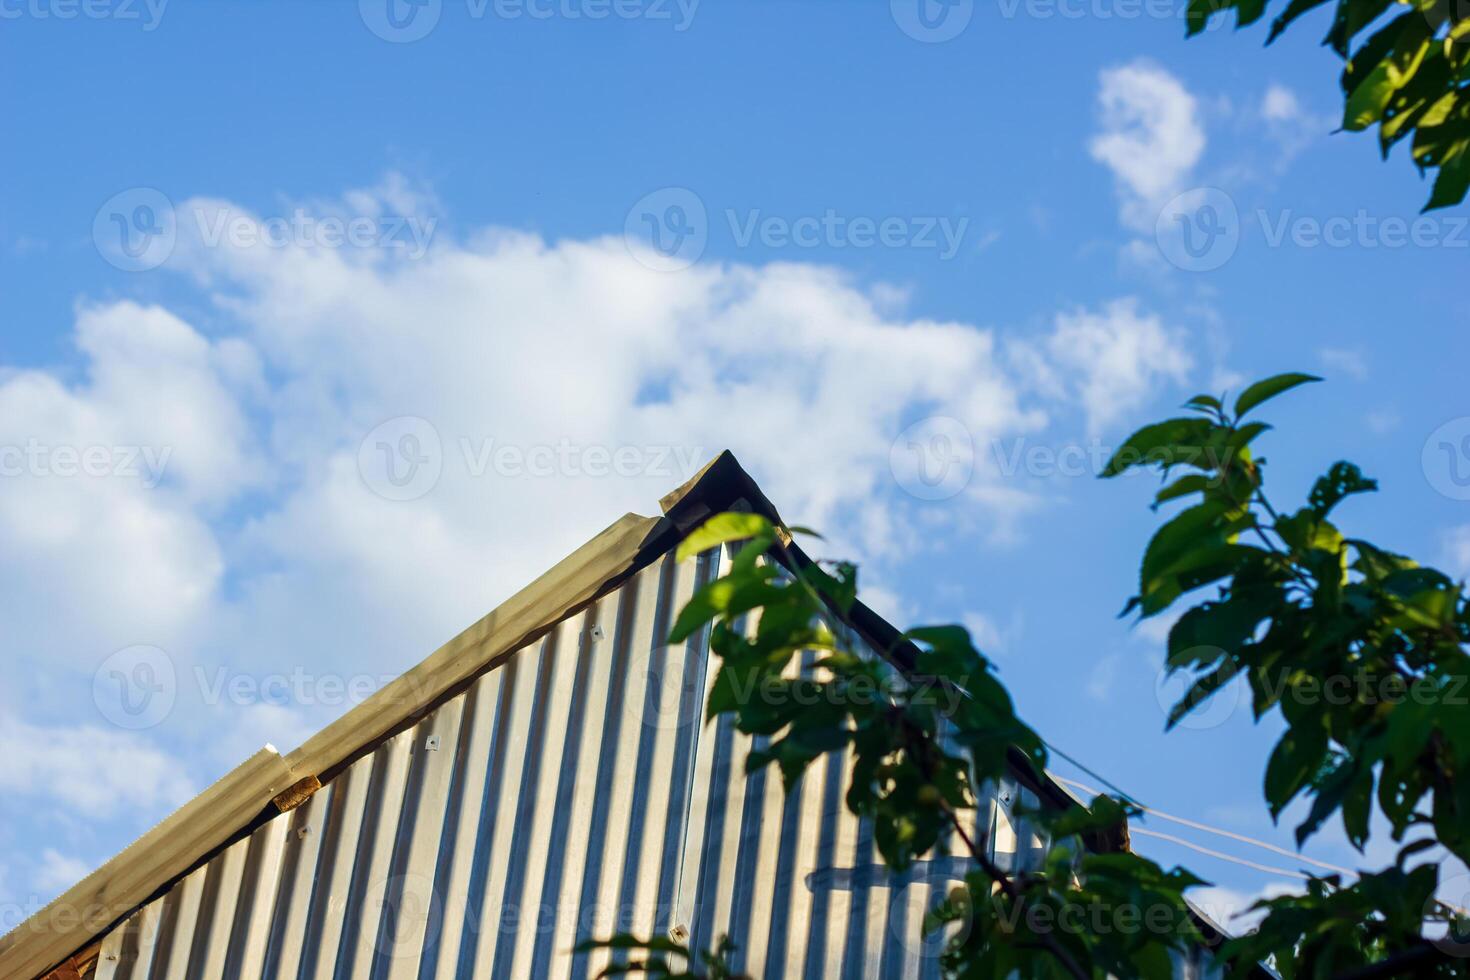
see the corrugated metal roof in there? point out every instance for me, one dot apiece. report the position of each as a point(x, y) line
point(543, 778)
point(571, 792)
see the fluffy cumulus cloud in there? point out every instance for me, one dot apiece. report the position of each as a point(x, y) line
point(89, 767)
point(1150, 136)
point(1111, 360)
point(109, 483)
point(1289, 124)
point(357, 452)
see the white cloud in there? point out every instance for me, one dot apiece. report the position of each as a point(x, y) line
point(1150, 136)
point(993, 638)
point(1156, 629)
point(1289, 124)
point(1381, 421)
point(1112, 361)
point(1279, 104)
point(264, 549)
point(1455, 550)
point(1103, 677)
point(90, 768)
point(1351, 363)
point(58, 872)
point(110, 482)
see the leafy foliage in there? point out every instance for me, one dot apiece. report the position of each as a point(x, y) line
point(1408, 76)
point(1357, 650)
point(1360, 652)
point(922, 727)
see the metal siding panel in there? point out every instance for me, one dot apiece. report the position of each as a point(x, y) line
point(575, 792)
point(538, 812)
point(566, 898)
point(767, 820)
point(307, 825)
point(334, 884)
point(189, 892)
point(370, 876)
point(457, 851)
point(614, 815)
point(250, 938)
point(110, 953)
point(519, 704)
point(658, 755)
point(565, 835)
point(221, 891)
point(414, 906)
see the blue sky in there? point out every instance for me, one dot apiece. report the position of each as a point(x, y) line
point(1046, 140)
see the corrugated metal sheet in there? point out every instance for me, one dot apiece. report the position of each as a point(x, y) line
point(572, 792)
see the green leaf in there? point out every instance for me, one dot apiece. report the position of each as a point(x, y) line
point(1357, 807)
point(1296, 758)
point(1168, 443)
point(728, 596)
point(1341, 481)
point(1270, 388)
point(1453, 180)
point(1202, 690)
point(1327, 797)
point(723, 528)
point(1185, 485)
